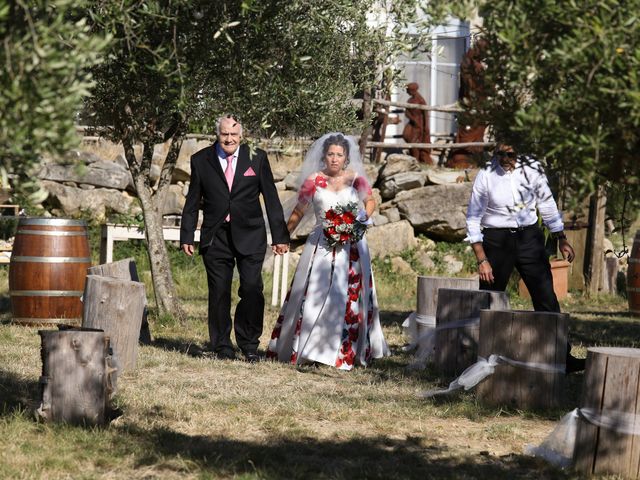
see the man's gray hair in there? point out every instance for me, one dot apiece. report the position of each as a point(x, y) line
point(226, 117)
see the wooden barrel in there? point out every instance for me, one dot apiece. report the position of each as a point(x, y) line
point(533, 338)
point(609, 391)
point(633, 277)
point(47, 271)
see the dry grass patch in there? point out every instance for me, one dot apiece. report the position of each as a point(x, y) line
point(186, 415)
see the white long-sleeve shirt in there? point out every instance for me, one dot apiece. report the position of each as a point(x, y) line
point(502, 199)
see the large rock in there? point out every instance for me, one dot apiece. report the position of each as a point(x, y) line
point(97, 201)
point(372, 170)
point(182, 171)
point(99, 174)
point(390, 186)
point(391, 238)
point(174, 201)
point(441, 176)
point(438, 211)
point(398, 163)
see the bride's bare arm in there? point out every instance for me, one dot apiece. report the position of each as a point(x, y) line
point(369, 205)
point(296, 216)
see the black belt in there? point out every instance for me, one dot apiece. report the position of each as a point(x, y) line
point(511, 229)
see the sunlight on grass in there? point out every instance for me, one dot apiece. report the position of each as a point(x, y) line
point(186, 415)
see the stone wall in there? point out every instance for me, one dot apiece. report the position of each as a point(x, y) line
point(411, 198)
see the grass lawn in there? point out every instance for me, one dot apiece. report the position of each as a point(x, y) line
point(186, 415)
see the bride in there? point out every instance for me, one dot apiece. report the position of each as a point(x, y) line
point(330, 314)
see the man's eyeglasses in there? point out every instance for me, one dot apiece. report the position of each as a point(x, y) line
point(502, 153)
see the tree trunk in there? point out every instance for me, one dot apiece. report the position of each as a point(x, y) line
point(163, 286)
point(595, 250)
point(366, 119)
point(152, 204)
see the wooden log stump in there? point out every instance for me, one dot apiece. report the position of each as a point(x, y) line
point(457, 348)
point(76, 376)
point(126, 269)
point(427, 302)
point(531, 337)
point(115, 306)
point(610, 389)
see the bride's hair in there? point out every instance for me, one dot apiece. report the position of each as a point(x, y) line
point(339, 140)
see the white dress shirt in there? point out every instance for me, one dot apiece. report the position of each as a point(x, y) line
point(508, 199)
point(222, 156)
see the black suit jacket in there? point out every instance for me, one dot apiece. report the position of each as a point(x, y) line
point(208, 188)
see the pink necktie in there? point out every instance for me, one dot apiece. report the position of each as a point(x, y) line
point(228, 174)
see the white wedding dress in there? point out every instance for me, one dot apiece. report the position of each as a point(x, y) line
point(331, 313)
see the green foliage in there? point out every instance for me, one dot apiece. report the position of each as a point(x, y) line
point(565, 85)
point(290, 67)
point(47, 49)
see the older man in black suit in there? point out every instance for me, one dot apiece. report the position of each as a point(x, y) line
point(227, 179)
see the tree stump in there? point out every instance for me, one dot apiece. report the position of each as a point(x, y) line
point(126, 270)
point(610, 388)
point(531, 337)
point(427, 302)
point(457, 348)
point(115, 306)
point(76, 376)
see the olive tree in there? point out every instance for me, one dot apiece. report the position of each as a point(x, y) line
point(46, 54)
point(284, 66)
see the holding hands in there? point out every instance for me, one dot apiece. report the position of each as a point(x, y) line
point(280, 248)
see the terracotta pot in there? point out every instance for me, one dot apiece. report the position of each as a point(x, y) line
point(560, 272)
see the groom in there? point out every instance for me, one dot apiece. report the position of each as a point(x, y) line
point(226, 182)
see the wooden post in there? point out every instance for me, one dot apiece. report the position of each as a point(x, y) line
point(457, 348)
point(76, 376)
point(126, 270)
point(366, 115)
point(531, 337)
point(610, 388)
point(427, 302)
point(115, 306)
point(595, 241)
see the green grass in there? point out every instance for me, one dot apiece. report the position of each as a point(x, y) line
point(188, 416)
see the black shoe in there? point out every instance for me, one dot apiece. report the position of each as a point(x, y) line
point(575, 364)
point(251, 357)
point(225, 355)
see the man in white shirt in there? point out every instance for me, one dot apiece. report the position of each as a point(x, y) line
point(502, 226)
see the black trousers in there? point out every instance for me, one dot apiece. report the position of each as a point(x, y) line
point(523, 249)
point(219, 260)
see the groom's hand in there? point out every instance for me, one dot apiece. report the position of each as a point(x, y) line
point(280, 248)
point(188, 249)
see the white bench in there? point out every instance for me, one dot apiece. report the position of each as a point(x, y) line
point(112, 232)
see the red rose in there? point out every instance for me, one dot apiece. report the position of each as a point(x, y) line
point(344, 237)
point(330, 214)
point(331, 230)
point(321, 181)
point(348, 217)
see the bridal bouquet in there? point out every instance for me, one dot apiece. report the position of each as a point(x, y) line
point(341, 224)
